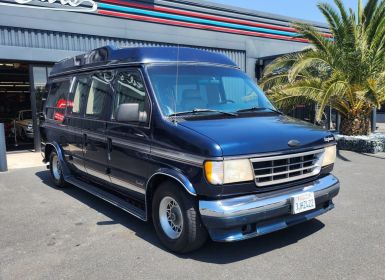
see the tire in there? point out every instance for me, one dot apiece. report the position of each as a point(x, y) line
point(23, 135)
point(55, 170)
point(188, 232)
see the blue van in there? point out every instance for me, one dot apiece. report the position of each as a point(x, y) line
point(184, 138)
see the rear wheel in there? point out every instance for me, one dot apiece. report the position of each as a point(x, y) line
point(56, 170)
point(176, 219)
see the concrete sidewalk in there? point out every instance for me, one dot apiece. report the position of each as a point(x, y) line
point(24, 160)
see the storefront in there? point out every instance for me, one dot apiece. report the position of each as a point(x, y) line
point(35, 33)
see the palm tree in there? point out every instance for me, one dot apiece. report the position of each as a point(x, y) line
point(345, 71)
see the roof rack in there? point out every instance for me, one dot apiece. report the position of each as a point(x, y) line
point(111, 54)
point(93, 57)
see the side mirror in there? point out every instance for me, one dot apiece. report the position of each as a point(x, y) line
point(129, 112)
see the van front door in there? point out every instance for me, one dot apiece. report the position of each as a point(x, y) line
point(129, 142)
point(94, 125)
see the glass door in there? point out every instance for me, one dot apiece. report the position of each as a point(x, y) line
point(38, 81)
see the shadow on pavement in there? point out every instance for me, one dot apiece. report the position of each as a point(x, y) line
point(379, 155)
point(212, 252)
point(341, 156)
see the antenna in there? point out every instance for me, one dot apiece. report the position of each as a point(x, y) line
point(176, 85)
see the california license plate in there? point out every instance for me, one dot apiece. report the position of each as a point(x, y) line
point(302, 202)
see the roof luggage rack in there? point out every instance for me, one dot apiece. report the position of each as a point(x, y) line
point(94, 57)
point(136, 55)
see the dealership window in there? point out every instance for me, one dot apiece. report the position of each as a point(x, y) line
point(40, 74)
point(99, 94)
point(129, 89)
point(57, 100)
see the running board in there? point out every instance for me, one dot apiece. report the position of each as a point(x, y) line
point(114, 200)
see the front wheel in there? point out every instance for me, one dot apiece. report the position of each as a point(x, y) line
point(176, 219)
point(56, 170)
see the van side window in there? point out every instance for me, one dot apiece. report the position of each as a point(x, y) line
point(76, 96)
point(129, 88)
point(57, 100)
point(98, 94)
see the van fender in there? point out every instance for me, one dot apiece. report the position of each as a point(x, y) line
point(176, 175)
point(60, 154)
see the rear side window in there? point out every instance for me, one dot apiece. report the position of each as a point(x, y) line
point(99, 94)
point(129, 88)
point(77, 95)
point(57, 100)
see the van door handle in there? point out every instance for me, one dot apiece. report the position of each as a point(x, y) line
point(140, 135)
point(85, 143)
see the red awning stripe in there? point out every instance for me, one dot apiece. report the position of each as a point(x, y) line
point(198, 26)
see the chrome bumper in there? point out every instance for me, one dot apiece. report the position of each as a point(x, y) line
point(252, 215)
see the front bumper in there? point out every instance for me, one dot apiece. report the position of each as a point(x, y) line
point(253, 215)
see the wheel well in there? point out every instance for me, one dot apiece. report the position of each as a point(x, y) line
point(154, 183)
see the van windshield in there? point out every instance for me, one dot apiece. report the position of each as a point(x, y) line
point(205, 89)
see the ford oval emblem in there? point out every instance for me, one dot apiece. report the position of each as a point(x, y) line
point(294, 143)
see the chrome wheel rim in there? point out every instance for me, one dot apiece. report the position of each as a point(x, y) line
point(170, 217)
point(56, 171)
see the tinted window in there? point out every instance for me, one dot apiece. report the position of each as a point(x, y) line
point(187, 87)
point(129, 89)
point(57, 100)
point(77, 95)
point(98, 95)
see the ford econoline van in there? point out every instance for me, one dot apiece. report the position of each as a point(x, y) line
point(186, 139)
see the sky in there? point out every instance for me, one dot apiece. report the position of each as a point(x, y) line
point(302, 9)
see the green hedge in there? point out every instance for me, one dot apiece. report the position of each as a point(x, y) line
point(373, 144)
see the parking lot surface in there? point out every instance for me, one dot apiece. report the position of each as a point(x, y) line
point(47, 233)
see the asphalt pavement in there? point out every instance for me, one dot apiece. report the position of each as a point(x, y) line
point(49, 233)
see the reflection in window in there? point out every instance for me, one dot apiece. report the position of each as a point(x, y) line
point(238, 91)
point(98, 94)
point(204, 87)
point(57, 100)
point(39, 82)
point(130, 89)
point(74, 100)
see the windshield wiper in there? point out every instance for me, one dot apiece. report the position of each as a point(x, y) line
point(198, 110)
point(259, 109)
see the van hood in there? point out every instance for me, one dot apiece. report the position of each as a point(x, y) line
point(259, 134)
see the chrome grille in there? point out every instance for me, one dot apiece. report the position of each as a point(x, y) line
point(286, 168)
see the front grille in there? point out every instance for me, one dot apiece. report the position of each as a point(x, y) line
point(286, 168)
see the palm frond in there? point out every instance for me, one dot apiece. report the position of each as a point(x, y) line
point(346, 72)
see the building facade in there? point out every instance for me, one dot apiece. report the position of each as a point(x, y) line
point(34, 34)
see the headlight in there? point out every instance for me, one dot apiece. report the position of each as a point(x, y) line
point(329, 155)
point(29, 127)
point(228, 171)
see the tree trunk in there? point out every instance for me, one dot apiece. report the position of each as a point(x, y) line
point(355, 125)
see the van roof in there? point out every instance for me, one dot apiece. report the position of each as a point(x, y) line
point(110, 55)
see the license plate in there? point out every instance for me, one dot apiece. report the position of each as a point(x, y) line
point(302, 202)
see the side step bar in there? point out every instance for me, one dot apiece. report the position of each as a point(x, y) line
point(114, 200)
